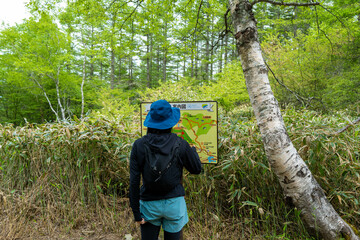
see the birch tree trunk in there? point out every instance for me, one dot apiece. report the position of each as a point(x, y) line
point(165, 53)
point(184, 66)
point(196, 70)
point(148, 72)
point(130, 71)
point(221, 55)
point(120, 62)
point(82, 87)
point(47, 98)
point(212, 54)
point(207, 56)
point(112, 52)
point(226, 50)
point(296, 180)
point(57, 87)
point(112, 69)
point(91, 73)
point(192, 63)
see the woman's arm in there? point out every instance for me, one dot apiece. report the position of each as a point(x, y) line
point(190, 158)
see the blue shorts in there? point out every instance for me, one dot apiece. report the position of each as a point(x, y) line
point(170, 213)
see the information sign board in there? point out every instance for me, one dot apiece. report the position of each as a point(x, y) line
point(197, 125)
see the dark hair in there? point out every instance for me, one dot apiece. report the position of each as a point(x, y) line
point(158, 131)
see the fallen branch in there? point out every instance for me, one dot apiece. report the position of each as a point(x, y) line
point(303, 101)
point(348, 126)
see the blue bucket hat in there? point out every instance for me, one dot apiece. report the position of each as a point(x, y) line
point(162, 115)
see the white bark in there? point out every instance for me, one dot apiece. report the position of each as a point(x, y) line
point(56, 81)
point(82, 87)
point(148, 60)
point(165, 52)
point(112, 70)
point(47, 98)
point(112, 52)
point(300, 187)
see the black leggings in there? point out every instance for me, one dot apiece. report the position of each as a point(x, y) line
point(151, 232)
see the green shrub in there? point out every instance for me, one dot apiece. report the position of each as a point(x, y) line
point(87, 161)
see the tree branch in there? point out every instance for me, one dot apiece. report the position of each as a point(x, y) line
point(326, 9)
point(224, 32)
point(188, 3)
point(285, 4)
point(299, 98)
point(129, 16)
point(304, 101)
point(226, 23)
point(319, 29)
point(120, 6)
point(46, 96)
point(197, 18)
point(82, 87)
point(348, 126)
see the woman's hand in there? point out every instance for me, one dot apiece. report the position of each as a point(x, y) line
point(141, 222)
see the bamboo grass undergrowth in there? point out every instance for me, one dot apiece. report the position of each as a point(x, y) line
point(66, 179)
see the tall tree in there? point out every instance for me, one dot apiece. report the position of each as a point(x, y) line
point(300, 187)
point(41, 55)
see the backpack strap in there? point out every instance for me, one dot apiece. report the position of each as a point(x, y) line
point(174, 155)
point(149, 152)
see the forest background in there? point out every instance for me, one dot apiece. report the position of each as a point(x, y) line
point(73, 74)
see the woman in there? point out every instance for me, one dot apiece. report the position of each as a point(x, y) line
point(159, 158)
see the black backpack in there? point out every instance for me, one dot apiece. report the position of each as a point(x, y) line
point(162, 175)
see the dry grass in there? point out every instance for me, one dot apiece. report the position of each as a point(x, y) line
point(71, 181)
point(21, 218)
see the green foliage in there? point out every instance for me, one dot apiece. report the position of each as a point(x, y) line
point(87, 162)
point(317, 59)
point(182, 90)
point(313, 67)
point(115, 107)
point(175, 50)
point(34, 65)
point(174, 46)
point(228, 89)
point(88, 154)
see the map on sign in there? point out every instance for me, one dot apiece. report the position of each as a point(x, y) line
point(197, 125)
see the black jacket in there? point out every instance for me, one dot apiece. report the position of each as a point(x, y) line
point(164, 142)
